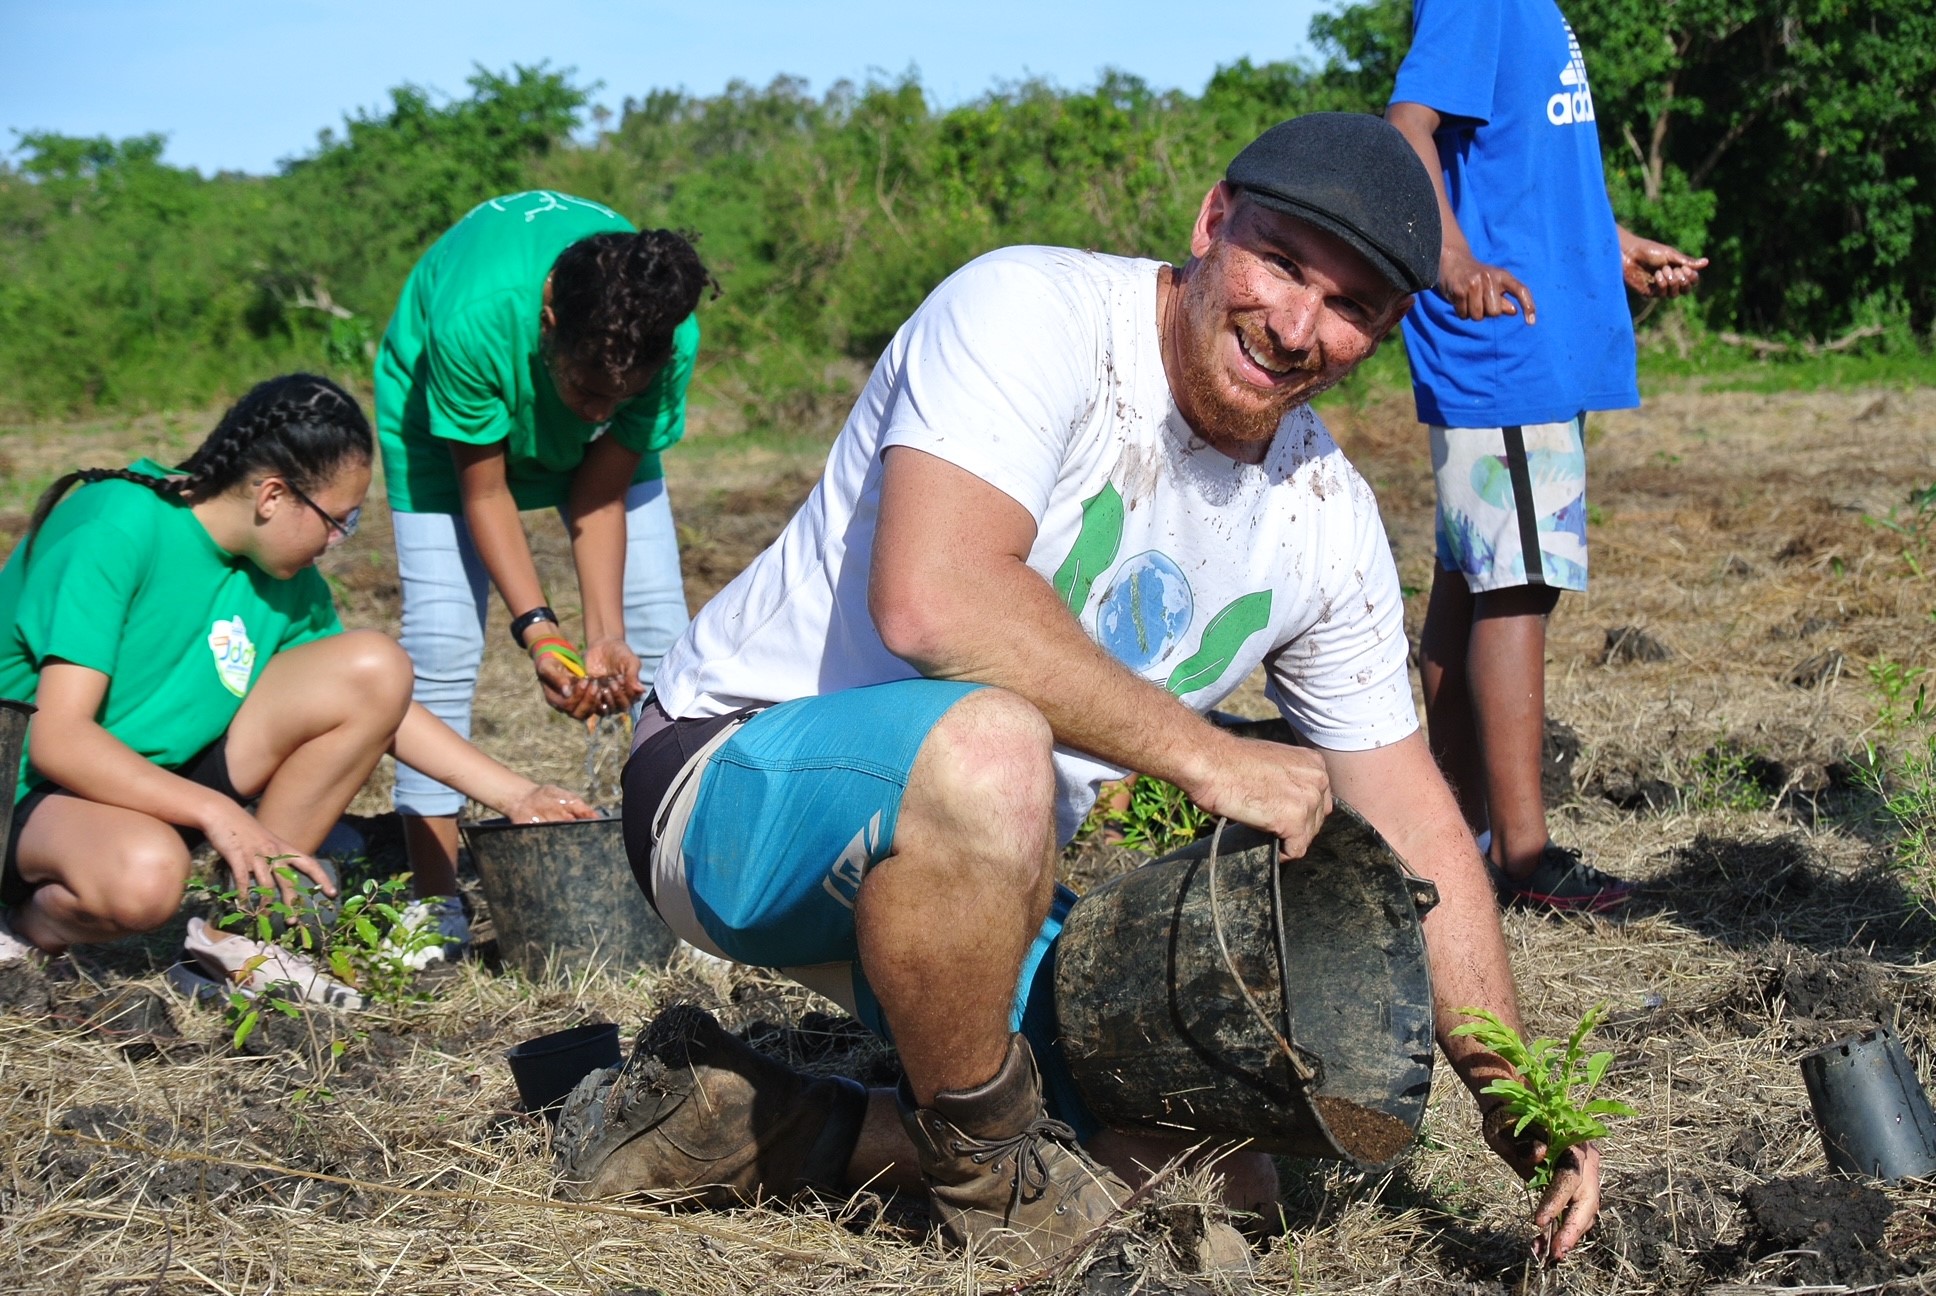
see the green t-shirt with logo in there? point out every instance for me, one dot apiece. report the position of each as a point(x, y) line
point(132, 585)
point(461, 361)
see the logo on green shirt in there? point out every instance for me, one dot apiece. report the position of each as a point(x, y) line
point(234, 653)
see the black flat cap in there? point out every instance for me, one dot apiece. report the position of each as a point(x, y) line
point(1355, 176)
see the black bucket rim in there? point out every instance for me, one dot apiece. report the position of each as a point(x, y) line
point(560, 1041)
point(499, 824)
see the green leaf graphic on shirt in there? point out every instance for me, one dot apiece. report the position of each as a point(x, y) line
point(1095, 548)
point(1222, 638)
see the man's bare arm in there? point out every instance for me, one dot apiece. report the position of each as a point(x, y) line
point(952, 594)
point(1400, 792)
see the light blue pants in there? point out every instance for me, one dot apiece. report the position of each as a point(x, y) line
point(447, 592)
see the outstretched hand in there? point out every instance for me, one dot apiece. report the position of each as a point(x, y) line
point(1656, 270)
point(614, 671)
point(1480, 291)
point(548, 804)
point(1571, 1202)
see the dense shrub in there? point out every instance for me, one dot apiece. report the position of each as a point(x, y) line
point(1794, 141)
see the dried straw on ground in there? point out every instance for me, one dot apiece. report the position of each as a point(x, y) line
point(138, 1153)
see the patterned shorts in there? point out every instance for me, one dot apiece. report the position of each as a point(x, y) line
point(1512, 504)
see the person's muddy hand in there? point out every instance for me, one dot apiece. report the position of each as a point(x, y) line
point(1571, 1202)
point(547, 804)
point(614, 671)
point(1656, 270)
point(1480, 291)
point(1278, 789)
point(259, 860)
point(564, 689)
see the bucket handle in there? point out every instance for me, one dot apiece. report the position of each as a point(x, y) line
point(1304, 1068)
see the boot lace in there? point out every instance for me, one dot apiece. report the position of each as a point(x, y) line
point(1031, 1166)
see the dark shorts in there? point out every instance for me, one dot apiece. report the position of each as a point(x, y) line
point(208, 768)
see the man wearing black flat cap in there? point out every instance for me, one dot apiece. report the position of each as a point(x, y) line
point(1080, 500)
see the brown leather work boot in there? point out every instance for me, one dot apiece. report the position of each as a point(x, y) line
point(1001, 1173)
point(699, 1116)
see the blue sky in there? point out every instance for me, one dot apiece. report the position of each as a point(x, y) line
point(239, 85)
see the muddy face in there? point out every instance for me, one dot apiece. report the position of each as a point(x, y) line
point(1269, 312)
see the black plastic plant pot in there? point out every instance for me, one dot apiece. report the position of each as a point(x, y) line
point(549, 1067)
point(1870, 1107)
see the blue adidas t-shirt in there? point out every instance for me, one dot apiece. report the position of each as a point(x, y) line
point(1522, 168)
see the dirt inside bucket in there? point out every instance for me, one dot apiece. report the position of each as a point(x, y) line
point(1369, 1135)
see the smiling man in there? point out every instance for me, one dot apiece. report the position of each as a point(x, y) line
point(1080, 500)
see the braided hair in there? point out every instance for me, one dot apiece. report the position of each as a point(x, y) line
point(616, 298)
point(298, 427)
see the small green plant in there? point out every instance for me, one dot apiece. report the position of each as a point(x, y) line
point(364, 943)
point(1915, 528)
point(1900, 769)
point(1544, 1096)
point(1724, 779)
point(1158, 818)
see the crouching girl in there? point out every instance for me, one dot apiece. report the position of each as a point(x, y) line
point(187, 663)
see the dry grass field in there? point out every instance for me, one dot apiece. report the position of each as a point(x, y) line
point(140, 1154)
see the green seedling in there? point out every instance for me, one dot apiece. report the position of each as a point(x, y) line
point(364, 943)
point(1159, 818)
point(1544, 1095)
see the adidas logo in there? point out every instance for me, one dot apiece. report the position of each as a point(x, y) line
point(1574, 104)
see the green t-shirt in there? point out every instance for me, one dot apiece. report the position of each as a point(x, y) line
point(132, 585)
point(461, 361)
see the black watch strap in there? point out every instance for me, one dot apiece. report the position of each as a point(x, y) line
point(522, 623)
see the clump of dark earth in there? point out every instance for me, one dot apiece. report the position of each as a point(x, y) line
point(1641, 1227)
point(1630, 789)
point(23, 990)
point(1838, 986)
point(1834, 1225)
point(134, 1018)
point(1559, 752)
point(1632, 644)
point(1813, 672)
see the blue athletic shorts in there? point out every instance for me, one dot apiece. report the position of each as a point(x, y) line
point(789, 811)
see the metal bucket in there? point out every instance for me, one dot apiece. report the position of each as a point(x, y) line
point(1235, 997)
point(13, 742)
point(564, 892)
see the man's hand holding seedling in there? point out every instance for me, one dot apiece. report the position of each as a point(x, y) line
point(1542, 1129)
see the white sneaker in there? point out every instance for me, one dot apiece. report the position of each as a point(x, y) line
point(252, 967)
point(12, 948)
point(443, 915)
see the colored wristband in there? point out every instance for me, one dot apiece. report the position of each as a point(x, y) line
point(563, 652)
point(536, 615)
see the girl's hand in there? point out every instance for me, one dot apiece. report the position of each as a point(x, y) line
point(548, 804)
point(614, 671)
point(258, 859)
point(563, 690)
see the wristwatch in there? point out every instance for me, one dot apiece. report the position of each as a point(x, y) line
point(520, 624)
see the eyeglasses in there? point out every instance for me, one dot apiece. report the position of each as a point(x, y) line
point(344, 527)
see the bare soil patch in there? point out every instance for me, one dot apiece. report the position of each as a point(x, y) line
point(1739, 533)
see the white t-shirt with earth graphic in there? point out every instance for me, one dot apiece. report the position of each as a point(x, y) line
point(1038, 369)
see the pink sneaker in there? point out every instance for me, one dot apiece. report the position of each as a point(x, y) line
point(252, 967)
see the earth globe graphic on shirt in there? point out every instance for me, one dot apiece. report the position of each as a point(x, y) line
point(1146, 610)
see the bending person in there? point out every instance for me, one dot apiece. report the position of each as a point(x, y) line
point(1082, 498)
point(538, 358)
point(186, 660)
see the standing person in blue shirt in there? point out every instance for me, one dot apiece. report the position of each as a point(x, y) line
point(1494, 97)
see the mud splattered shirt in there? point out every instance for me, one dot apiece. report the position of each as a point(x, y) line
point(1039, 370)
